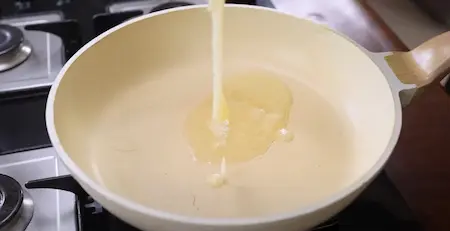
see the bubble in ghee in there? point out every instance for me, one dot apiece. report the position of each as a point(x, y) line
point(259, 104)
point(285, 135)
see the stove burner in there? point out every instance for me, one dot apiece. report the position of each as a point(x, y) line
point(13, 48)
point(16, 208)
point(10, 38)
point(12, 197)
point(170, 5)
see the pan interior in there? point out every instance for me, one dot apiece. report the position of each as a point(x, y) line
point(120, 108)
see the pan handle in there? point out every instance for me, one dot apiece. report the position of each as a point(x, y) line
point(427, 63)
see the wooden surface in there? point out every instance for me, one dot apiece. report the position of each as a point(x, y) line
point(355, 20)
point(420, 164)
point(438, 9)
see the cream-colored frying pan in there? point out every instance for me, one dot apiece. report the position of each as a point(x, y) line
point(365, 85)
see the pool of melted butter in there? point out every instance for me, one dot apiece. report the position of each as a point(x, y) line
point(259, 105)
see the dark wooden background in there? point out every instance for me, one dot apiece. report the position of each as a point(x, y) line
point(437, 9)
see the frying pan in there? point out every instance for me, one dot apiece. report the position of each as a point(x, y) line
point(370, 87)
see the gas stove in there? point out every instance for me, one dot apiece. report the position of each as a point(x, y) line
point(36, 192)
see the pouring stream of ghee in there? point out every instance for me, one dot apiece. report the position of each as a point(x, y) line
point(248, 111)
point(219, 107)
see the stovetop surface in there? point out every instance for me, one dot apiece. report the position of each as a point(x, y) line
point(22, 123)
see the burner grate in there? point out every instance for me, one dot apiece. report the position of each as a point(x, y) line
point(105, 21)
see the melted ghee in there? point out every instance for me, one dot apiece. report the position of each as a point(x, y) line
point(259, 105)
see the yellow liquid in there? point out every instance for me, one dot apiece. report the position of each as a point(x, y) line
point(259, 105)
point(219, 112)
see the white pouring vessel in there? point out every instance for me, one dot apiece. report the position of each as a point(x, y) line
point(342, 71)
